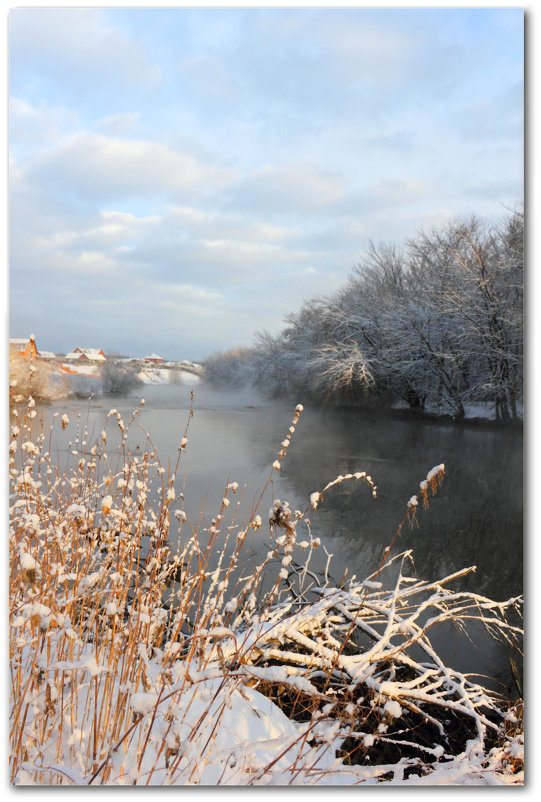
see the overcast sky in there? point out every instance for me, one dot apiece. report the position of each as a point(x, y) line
point(183, 178)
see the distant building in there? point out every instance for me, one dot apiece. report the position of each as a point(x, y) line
point(86, 355)
point(46, 355)
point(26, 346)
point(154, 359)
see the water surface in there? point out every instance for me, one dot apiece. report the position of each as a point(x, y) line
point(475, 519)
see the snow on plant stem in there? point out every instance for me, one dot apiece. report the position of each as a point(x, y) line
point(144, 650)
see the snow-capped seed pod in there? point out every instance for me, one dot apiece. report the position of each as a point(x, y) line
point(392, 710)
point(29, 569)
point(433, 480)
point(64, 421)
point(280, 514)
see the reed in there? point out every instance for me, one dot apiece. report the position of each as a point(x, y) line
point(146, 648)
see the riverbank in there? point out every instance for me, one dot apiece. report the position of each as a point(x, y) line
point(145, 649)
point(47, 381)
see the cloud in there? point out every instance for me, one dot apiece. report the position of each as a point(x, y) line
point(74, 48)
point(284, 189)
point(202, 223)
point(208, 77)
point(117, 125)
point(398, 192)
point(39, 126)
point(98, 166)
point(205, 265)
point(369, 51)
point(483, 118)
point(183, 177)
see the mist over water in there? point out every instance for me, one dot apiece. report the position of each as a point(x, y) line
point(475, 519)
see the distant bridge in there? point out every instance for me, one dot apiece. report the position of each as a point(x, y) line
point(197, 370)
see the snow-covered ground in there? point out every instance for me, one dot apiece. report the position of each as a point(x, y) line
point(220, 731)
point(478, 411)
point(157, 375)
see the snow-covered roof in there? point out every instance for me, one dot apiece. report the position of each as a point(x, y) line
point(47, 354)
point(92, 353)
point(74, 355)
point(153, 356)
point(18, 340)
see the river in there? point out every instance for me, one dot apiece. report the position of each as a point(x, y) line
point(475, 519)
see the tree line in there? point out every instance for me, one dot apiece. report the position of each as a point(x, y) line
point(437, 325)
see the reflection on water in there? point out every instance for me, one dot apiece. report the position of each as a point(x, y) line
point(476, 518)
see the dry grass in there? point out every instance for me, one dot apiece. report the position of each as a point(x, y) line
point(135, 633)
point(28, 379)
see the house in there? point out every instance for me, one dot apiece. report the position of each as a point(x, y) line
point(46, 355)
point(154, 359)
point(26, 346)
point(87, 355)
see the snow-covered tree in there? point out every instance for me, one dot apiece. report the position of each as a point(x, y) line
point(438, 325)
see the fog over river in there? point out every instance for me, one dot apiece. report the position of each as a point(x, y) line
point(475, 519)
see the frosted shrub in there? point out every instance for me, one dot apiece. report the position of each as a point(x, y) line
point(27, 378)
point(146, 649)
point(118, 378)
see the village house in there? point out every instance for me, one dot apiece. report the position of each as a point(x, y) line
point(26, 346)
point(154, 359)
point(86, 355)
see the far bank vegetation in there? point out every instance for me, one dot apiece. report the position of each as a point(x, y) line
point(437, 326)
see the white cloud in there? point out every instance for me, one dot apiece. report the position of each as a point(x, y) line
point(99, 166)
point(202, 172)
point(118, 124)
point(79, 41)
point(399, 191)
point(290, 188)
point(233, 226)
point(41, 125)
point(369, 52)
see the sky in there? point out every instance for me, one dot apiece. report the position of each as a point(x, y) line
point(183, 178)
